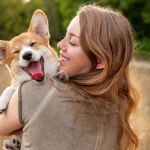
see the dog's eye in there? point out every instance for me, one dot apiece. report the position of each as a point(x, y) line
point(16, 52)
point(33, 43)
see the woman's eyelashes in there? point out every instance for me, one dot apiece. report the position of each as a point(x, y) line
point(73, 41)
point(72, 44)
point(70, 40)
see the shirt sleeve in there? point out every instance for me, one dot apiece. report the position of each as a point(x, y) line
point(20, 103)
point(30, 96)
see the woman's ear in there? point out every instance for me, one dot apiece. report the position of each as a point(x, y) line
point(100, 64)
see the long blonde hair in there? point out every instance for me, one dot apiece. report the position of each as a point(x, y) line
point(106, 35)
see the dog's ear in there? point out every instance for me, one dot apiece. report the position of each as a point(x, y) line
point(39, 24)
point(3, 50)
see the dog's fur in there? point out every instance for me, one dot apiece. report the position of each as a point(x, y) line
point(28, 52)
point(23, 51)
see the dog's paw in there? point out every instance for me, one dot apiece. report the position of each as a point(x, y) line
point(7, 145)
point(12, 144)
point(62, 76)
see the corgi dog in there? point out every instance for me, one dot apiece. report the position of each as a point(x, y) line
point(28, 56)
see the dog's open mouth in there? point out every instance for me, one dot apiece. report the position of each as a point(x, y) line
point(35, 69)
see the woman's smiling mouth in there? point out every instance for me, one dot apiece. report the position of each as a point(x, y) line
point(63, 58)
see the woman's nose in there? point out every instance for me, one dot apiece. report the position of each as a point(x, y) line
point(61, 45)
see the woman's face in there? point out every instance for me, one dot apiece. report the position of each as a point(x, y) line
point(72, 59)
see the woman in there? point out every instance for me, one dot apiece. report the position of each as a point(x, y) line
point(92, 111)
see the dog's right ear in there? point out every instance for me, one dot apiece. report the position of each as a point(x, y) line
point(3, 50)
point(39, 24)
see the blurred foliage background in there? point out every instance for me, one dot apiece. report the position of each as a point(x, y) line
point(15, 17)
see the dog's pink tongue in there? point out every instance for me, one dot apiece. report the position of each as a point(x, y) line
point(35, 68)
point(36, 76)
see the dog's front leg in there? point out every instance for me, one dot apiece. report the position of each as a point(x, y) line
point(5, 97)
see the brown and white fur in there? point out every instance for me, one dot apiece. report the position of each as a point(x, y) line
point(27, 56)
point(26, 52)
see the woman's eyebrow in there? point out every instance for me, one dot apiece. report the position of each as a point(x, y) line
point(73, 34)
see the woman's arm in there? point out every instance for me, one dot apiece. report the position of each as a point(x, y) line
point(9, 120)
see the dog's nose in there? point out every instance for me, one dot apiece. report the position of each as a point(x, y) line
point(27, 56)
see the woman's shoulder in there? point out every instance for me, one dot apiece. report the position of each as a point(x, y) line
point(33, 83)
point(47, 85)
point(68, 91)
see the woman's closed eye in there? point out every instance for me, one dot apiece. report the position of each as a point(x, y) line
point(73, 41)
point(72, 44)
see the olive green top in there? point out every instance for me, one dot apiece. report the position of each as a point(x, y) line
point(58, 117)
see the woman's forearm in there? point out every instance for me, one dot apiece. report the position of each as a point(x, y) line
point(9, 120)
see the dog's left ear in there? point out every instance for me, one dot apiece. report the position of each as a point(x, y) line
point(3, 50)
point(39, 24)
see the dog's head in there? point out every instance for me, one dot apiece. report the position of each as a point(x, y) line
point(29, 56)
